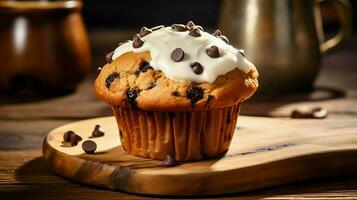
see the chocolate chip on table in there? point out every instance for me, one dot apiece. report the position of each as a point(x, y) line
point(155, 28)
point(71, 137)
point(217, 33)
point(109, 80)
point(213, 52)
point(137, 41)
point(175, 93)
point(195, 32)
point(177, 54)
point(315, 113)
point(89, 146)
point(131, 95)
point(143, 67)
point(194, 94)
point(196, 67)
point(144, 31)
point(98, 131)
point(241, 52)
point(224, 38)
point(170, 161)
point(190, 25)
point(109, 56)
point(99, 69)
point(178, 27)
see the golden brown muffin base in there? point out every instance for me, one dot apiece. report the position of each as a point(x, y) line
point(185, 135)
point(229, 89)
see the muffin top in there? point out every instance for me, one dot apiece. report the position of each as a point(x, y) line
point(177, 68)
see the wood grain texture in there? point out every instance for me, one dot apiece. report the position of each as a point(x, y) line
point(264, 152)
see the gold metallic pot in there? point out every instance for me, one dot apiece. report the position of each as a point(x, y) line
point(43, 46)
point(283, 38)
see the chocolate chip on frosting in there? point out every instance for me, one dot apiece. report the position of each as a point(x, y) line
point(137, 41)
point(89, 146)
point(109, 56)
point(195, 32)
point(194, 94)
point(217, 33)
point(190, 25)
point(155, 28)
point(144, 31)
point(213, 52)
point(196, 67)
point(177, 54)
point(98, 131)
point(224, 38)
point(109, 80)
point(178, 27)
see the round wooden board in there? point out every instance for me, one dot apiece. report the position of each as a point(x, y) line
point(264, 152)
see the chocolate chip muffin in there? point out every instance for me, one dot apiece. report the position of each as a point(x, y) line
point(176, 91)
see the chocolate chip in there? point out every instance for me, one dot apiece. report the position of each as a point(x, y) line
point(170, 161)
point(131, 95)
point(144, 31)
point(224, 38)
point(177, 54)
point(175, 93)
point(143, 67)
point(74, 139)
point(99, 69)
point(241, 52)
point(109, 80)
point(195, 32)
point(71, 137)
point(151, 86)
point(155, 28)
point(98, 131)
point(190, 25)
point(109, 56)
point(213, 52)
point(66, 136)
point(217, 33)
point(178, 27)
point(315, 113)
point(194, 94)
point(137, 41)
point(196, 67)
point(210, 98)
point(89, 146)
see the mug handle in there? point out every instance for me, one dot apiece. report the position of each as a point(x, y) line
point(345, 19)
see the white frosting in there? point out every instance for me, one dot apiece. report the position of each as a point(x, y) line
point(162, 42)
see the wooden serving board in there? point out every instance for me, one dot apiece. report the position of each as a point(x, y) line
point(264, 152)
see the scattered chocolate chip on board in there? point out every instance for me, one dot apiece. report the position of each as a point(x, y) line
point(89, 146)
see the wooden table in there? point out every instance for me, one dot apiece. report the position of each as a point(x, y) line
point(24, 173)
